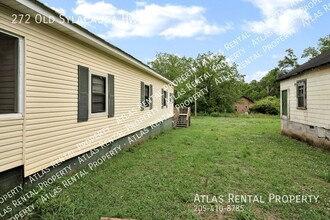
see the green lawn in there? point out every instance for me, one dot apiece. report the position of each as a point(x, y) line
point(160, 178)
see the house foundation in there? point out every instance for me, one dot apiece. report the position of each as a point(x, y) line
point(313, 135)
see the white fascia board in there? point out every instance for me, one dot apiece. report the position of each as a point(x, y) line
point(91, 39)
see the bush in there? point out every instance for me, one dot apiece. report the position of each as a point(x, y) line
point(269, 105)
point(203, 114)
point(215, 114)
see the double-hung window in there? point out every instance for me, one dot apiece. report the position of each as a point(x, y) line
point(99, 91)
point(96, 94)
point(302, 94)
point(146, 96)
point(11, 74)
point(164, 98)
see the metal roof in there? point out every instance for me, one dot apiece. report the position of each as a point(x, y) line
point(318, 61)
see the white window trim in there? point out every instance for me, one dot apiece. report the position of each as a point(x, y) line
point(20, 82)
point(305, 94)
point(101, 114)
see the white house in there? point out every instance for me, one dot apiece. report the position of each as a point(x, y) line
point(305, 102)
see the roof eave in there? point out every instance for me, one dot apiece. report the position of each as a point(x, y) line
point(78, 32)
point(288, 75)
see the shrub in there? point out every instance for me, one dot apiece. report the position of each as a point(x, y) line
point(269, 105)
point(202, 114)
point(215, 114)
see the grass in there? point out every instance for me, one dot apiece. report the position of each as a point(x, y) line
point(159, 178)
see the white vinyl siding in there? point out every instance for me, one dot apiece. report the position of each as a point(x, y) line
point(318, 97)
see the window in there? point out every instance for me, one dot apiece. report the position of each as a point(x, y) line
point(10, 74)
point(146, 96)
point(171, 98)
point(285, 102)
point(164, 98)
point(98, 94)
point(301, 94)
point(236, 109)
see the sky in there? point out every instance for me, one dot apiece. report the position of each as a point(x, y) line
point(254, 34)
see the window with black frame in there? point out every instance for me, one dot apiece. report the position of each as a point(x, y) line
point(146, 96)
point(98, 94)
point(164, 98)
point(9, 74)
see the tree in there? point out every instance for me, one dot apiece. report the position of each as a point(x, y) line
point(269, 105)
point(173, 67)
point(310, 52)
point(222, 85)
point(268, 85)
point(254, 90)
point(168, 65)
point(289, 62)
point(323, 46)
point(208, 71)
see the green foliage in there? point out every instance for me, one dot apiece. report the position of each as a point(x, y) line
point(310, 52)
point(203, 113)
point(215, 156)
point(269, 85)
point(208, 71)
point(269, 105)
point(289, 62)
point(323, 46)
point(215, 114)
point(224, 83)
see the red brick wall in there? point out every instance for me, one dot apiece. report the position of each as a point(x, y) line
point(242, 105)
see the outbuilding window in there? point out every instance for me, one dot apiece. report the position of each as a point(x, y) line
point(302, 94)
point(285, 102)
point(11, 85)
